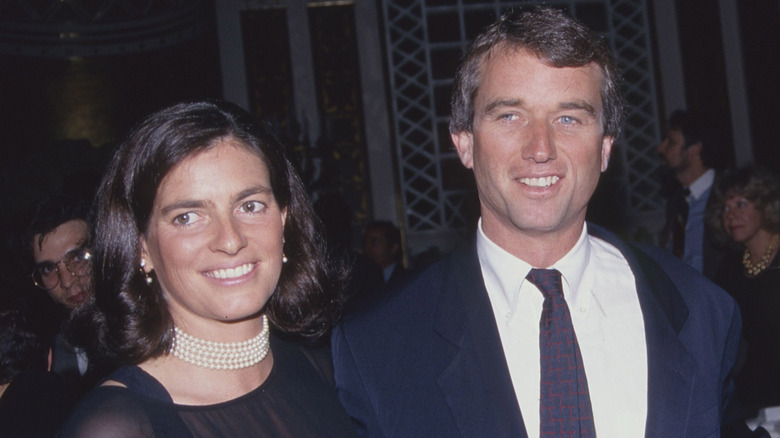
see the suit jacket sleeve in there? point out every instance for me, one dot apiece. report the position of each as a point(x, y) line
point(351, 389)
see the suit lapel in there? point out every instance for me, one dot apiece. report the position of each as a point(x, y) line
point(476, 383)
point(671, 369)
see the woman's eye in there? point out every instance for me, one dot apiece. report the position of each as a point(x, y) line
point(183, 219)
point(252, 206)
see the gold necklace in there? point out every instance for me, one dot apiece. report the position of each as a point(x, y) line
point(752, 269)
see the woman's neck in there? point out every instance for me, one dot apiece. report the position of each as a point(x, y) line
point(758, 244)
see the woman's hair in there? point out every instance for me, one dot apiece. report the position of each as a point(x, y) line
point(757, 185)
point(21, 345)
point(558, 40)
point(131, 316)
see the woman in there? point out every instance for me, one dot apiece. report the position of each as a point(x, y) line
point(33, 401)
point(745, 212)
point(203, 238)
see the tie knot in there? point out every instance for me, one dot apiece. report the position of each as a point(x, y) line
point(547, 280)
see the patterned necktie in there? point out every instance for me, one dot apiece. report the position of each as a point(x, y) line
point(564, 406)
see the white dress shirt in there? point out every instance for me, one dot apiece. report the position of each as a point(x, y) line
point(600, 290)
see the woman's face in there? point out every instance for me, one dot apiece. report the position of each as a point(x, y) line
point(214, 238)
point(741, 219)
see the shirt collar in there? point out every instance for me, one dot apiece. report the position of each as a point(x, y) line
point(702, 184)
point(496, 262)
point(572, 265)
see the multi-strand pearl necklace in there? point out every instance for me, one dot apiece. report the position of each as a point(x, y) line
point(221, 355)
point(754, 270)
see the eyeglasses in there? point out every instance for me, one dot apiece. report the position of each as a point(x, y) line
point(48, 275)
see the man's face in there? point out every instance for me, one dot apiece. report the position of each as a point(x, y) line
point(64, 241)
point(672, 150)
point(537, 146)
point(378, 248)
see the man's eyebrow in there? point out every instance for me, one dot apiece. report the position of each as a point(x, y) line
point(492, 106)
point(79, 246)
point(579, 105)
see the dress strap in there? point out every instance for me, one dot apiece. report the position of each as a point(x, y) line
point(140, 382)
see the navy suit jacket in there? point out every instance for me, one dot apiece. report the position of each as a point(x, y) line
point(426, 360)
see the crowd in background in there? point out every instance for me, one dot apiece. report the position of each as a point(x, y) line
point(204, 178)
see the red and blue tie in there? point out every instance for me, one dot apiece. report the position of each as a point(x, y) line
point(565, 409)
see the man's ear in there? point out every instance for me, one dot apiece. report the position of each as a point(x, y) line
point(606, 151)
point(694, 149)
point(464, 144)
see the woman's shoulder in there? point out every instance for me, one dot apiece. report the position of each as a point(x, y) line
point(129, 405)
point(109, 411)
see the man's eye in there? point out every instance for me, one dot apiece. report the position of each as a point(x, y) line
point(46, 269)
point(82, 256)
point(508, 117)
point(567, 120)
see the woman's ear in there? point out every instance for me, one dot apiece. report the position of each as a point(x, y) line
point(143, 252)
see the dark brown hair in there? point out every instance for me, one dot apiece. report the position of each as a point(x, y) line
point(132, 318)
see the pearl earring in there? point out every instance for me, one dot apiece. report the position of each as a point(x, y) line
point(148, 277)
point(284, 258)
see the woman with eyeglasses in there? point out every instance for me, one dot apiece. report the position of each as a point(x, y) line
point(208, 264)
point(745, 214)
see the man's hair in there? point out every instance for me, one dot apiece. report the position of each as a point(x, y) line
point(50, 213)
point(695, 130)
point(390, 231)
point(558, 40)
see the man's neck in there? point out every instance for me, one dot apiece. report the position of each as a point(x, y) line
point(691, 173)
point(540, 249)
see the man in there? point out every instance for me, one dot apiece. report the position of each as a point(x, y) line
point(688, 151)
point(382, 244)
point(458, 351)
point(58, 243)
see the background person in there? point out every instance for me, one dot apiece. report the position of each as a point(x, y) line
point(690, 152)
point(33, 401)
point(745, 212)
point(382, 243)
point(469, 347)
point(57, 244)
point(204, 238)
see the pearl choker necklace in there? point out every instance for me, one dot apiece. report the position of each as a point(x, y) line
point(221, 355)
point(754, 270)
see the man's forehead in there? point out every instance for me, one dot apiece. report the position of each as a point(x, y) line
point(64, 237)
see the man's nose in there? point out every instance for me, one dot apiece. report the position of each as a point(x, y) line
point(662, 147)
point(67, 279)
point(540, 146)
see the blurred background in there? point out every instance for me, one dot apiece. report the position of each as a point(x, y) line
point(359, 92)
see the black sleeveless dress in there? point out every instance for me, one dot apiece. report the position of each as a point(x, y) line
point(298, 399)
